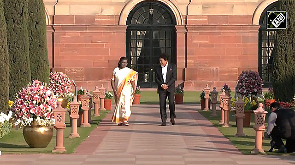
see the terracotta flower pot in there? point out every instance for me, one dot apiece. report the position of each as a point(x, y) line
point(136, 99)
point(267, 102)
point(178, 98)
point(108, 104)
point(203, 104)
point(79, 97)
point(247, 119)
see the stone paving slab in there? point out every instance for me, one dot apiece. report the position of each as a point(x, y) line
point(193, 140)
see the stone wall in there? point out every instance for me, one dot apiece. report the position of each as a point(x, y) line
point(87, 38)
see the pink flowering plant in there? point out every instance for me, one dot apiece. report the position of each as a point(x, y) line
point(249, 83)
point(60, 84)
point(34, 102)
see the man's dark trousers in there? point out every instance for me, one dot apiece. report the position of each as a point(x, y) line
point(163, 94)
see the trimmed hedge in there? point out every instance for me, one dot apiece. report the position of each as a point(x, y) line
point(16, 14)
point(4, 63)
point(284, 61)
point(39, 62)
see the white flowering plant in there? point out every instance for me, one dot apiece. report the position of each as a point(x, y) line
point(5, 125)
point(35, 102)
point(60, 84)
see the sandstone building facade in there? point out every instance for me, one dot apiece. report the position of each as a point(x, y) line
point(210, 41)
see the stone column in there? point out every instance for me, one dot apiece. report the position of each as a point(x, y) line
point(102, 96)
point(214, 94)
point(239, 116)
point(207, 92)
point(259, 127)
point(85, 108)
point(74, 106)
point(226, 107)
point(221, 107)
point(96, 101)
point(59, 116)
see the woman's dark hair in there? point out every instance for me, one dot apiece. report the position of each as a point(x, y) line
point(120, 61)
point(275, 105)
point(164, 56)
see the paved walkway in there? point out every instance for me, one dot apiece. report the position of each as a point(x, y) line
point(193, 140)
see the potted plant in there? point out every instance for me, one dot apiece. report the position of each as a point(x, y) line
point(202, 100)
point(137, 96)
point(80, 92)
point(226, 89)
point(268, 97)
point(61, 85)
point(249, 85)
point(33, 109)
point(179, 94)
point(108, 100)
point(249, 106)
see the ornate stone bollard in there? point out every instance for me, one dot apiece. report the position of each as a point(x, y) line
point(59, 116)
point(239, 116)
point(207, 92)
point(74, 106)
point(85, 108)
point(221, 107)
point(214, 94)
point(226, 108)
point(96, 101)
point(259, 127)
point(102, 96)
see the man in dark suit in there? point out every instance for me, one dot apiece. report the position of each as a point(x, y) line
point(165, 78)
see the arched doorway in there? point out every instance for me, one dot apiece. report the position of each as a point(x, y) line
point(266, 46)
point(150, 32)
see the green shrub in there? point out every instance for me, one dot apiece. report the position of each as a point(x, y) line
point(4, 63)
point(38, 44)
point(16, 14)
point(284, 61)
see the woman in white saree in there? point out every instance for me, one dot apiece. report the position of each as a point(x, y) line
point(123, 82)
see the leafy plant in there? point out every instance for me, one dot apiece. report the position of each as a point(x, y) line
point(269, 94)
point(137, 90)
point(81, 91)
point(108, 95)
point(179, 90)
point(226, 88)
point(202, 95)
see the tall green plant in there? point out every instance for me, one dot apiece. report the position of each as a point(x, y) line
point(38, 44)
point(284, 61)
point(4, 63)
point(16, 14)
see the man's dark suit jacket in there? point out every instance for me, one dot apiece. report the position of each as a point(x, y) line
point(170, 77)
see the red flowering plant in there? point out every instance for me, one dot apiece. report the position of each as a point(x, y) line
point(60, 84)
point(249, 83)
point(34, 102)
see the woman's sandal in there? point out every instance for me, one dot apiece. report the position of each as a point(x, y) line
point(126, 123)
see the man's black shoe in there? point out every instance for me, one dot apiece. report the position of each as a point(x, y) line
point(172, 121)
point(282, 149)
point(163, 124)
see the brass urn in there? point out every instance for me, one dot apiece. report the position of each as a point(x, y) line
point(38, 136)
